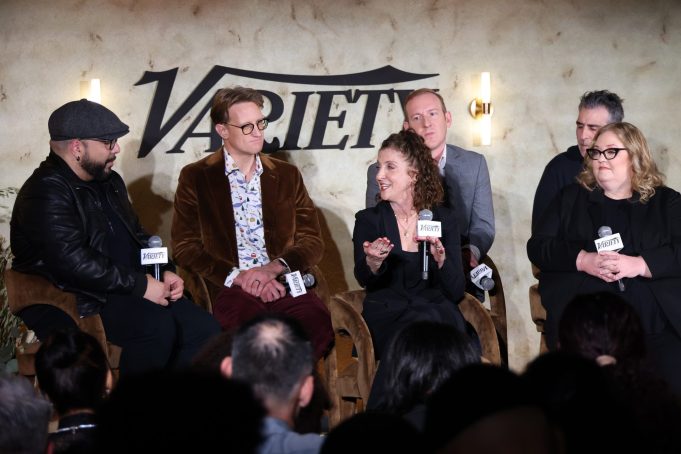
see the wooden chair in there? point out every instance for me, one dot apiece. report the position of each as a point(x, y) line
point(498, 308)
point(354, 366)
point(477, 315)
point(24, 290)
point(537, 311)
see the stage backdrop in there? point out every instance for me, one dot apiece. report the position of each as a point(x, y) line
point(334, 73)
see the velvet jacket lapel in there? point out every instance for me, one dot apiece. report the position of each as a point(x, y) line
point(221, 202)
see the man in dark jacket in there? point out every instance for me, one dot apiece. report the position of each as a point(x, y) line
point(73, 224)
point(596, 109)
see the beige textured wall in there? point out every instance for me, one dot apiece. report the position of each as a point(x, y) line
point(542, 55)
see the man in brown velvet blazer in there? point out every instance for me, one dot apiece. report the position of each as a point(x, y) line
point(242, 220)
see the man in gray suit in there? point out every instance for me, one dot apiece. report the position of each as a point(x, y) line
point(465, 175)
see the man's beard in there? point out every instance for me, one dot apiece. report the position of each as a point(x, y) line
point(96, 170)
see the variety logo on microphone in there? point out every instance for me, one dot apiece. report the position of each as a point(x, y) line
point(155, 255)
point(429, 228)
point(152, 256)
point(481, 276)
point(295, 283)
point(609, 243)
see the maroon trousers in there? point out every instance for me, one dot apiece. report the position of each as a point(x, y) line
point(233, 307)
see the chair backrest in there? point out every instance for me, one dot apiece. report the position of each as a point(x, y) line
point(498, 308)
point(24, 290)
point(477, 315)
point(351, 366)
point(538, 311)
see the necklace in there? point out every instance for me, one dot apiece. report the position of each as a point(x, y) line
point(406, 228)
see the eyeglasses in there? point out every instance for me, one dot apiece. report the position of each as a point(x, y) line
point(608, 153)
point(249, 127)
point(110, 144)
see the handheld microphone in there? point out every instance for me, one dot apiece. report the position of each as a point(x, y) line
point(155, 255)
point(481, 276)
point(308, 280)
point(425, 215)
point(611, 244)
point(604, 230)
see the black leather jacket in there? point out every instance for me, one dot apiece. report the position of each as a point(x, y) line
point(58, 230)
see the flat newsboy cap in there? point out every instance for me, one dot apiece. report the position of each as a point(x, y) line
point(85, 120)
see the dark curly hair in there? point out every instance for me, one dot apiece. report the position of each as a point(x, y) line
point(428, 190)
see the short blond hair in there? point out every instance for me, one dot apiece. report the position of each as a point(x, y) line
point(423, 91)
point(645, 176)
point(227, 97)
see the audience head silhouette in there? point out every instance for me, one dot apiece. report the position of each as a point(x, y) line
point(420, 358)
point(603, 327)
point(24, 417)
point(372, 433)
point(72, 371)
point(579, 400)
point(179, 411)
point(484, 408)
point(273, 354)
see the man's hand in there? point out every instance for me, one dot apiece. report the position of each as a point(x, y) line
point(156, 292)
point(255, 280)
point(174, 284)
point(272, 291)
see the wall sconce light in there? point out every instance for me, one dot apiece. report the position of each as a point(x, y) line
point(91, 90)
point(481, 109)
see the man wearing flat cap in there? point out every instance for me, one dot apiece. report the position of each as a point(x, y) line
point(73, 224)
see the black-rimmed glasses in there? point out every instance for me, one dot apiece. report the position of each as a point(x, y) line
point(109, 144)
point(249, 127)
point(608, 153)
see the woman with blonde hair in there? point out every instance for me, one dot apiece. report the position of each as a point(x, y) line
point(619, 192)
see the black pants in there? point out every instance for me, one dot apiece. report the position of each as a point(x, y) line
point(151, 336)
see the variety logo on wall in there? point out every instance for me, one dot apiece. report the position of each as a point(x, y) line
point(155, 130)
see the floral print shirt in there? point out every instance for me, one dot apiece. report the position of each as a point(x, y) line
point(247, 205)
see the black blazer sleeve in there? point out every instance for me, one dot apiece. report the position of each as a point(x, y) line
point(555, 244)
point(369, 225)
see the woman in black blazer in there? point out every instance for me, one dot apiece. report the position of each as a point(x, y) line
point(388, 258)
point(619, 190)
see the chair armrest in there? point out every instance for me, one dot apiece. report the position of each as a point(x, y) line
point(476, 314)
